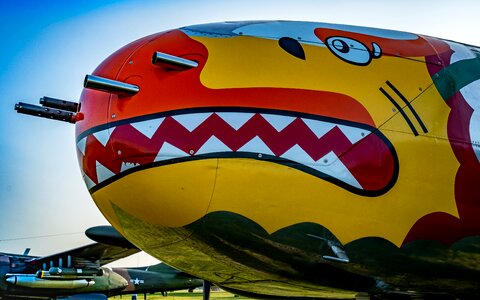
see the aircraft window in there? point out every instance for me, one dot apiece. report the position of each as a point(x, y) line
point(292, 47)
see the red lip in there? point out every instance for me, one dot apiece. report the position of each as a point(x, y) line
point(324, 147)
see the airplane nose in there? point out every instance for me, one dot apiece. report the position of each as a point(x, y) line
point(11, 280)
point(133, 172)
point(115, 280)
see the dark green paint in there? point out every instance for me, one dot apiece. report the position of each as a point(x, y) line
point(238, 254)
point(157, 278)
point(451, 79)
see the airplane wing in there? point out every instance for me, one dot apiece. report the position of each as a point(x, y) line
point(93, 255)
point(111, 246)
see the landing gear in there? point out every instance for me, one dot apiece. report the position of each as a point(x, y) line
point(206, 289)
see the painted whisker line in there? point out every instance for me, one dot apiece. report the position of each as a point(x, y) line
point(399, 109)
point(409, 105)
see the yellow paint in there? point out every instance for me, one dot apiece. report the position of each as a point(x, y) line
point(252, 62)
point(431, 109)
point(172, 195)
point(276, 196)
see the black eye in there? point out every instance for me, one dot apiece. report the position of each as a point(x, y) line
point(292, 47)
point(340, 45)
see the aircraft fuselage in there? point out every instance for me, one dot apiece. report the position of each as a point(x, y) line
point(292, 159)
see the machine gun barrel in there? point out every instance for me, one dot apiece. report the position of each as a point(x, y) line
point(45, 112)
point(109, 85)
point(59, 104)
point(171, 61)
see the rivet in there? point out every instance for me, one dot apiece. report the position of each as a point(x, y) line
point(191, 152)
point(119, 152)
point(362, 134)
point(325, 160)
point(114, 116)
point(259, 155)
point(299, 38)
point(131, 62)
point(240, 33)
point(420, 89)
point(394, 110)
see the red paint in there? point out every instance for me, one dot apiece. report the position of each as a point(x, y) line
point(442, 227)
point(165, 90)
point(420, 47)
point(370, 160)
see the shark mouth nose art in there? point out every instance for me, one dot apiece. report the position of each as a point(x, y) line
point(354, 156)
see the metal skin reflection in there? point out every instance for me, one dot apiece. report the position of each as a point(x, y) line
point(293, 159)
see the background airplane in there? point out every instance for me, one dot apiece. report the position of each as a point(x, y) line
point(80, 273)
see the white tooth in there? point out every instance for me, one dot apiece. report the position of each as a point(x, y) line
point(470, 94)
point(88, 181)
point(191, 121)
point(80, 162)
point(327, 159)
point(82, 144)
point(102, 172)
point(236, 120)
point(475, 132)
point(318, 127)
point(353, 134)
point(277, 121)
point(213, 145)
point(328, 164)
point(168, 151)
point(104, 135)
point(256, 145)
point(336, 169)
point(297, 154)
point(126, 165)
point(149, 127)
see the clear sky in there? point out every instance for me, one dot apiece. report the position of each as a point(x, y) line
point(47, 47)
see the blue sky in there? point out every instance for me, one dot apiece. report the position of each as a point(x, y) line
point(47, 47)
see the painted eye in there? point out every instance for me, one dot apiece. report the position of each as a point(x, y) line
point(340, 46)
point(292, 47)
point(352, 51)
